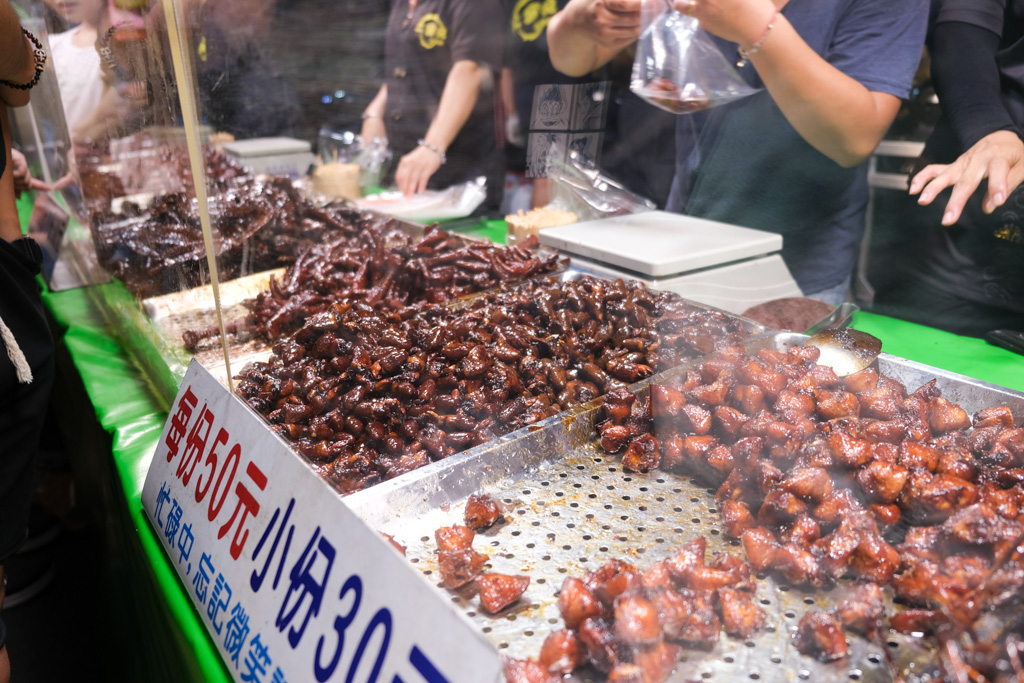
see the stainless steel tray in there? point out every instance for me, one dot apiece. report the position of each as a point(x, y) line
point(569, 507)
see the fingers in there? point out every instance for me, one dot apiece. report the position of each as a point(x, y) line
point(963, 188)
point(935, 181)
point(623, 6)
point(996, 195)
point(36, 184)
point(923, 177)
point(402, 178)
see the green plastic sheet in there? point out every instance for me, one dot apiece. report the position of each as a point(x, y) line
point(166, 639)
point(964, 355)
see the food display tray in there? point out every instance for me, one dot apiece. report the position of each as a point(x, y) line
point(569, 507)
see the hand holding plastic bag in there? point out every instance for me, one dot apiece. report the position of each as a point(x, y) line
point(678, 67)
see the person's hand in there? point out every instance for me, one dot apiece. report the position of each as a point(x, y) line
point(613, 24)
point(415, 169)
point(740, 21)
point(23, 180)
point(998, 156)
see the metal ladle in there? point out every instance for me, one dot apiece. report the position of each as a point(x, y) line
point(846, 351)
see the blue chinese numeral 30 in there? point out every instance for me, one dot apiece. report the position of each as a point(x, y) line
point(382, 618)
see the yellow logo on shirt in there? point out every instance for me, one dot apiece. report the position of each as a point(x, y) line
point(531, 17)
point(432, 31)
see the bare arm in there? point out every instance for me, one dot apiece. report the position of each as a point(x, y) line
point(16, 61)
point(373, 116)
point(586, 34)
point(834, 113)
point(461, 89)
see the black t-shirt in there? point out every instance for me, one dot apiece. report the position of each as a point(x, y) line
point(528, 52)
point(422, 44)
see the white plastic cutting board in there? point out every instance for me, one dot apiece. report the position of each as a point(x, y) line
point(659, 243)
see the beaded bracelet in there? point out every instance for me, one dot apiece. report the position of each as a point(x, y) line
point(107, 55)
point(746, 54)
point(433, 148)
point(39, 55)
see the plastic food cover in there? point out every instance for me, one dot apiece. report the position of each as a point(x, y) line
point(678, 67)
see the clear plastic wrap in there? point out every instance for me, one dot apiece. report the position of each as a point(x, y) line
point(678, 67)
point(578, 185)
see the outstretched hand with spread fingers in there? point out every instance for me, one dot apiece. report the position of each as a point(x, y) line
point(999, 157)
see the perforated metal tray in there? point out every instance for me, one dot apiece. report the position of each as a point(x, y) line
point(569, 507)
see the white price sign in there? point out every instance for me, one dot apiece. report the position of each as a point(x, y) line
point(291, 585)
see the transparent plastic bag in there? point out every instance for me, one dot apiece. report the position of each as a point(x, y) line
point(578, 185)
point(678, 67)
point(347, 165)
point(457, 201)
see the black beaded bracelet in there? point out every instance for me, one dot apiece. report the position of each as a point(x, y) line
point(39, 55)
point(107, 55)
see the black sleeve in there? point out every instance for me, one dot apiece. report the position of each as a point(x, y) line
point(967, 80)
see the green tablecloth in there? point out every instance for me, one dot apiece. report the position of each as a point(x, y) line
point(172, 642)
point(159, 636)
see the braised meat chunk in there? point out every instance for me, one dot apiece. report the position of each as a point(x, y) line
point(498, 591)
point(482, 512)
point(820, 635)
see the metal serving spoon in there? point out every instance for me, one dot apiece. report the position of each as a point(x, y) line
point(846, 351)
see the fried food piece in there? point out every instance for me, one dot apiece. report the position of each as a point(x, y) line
point(526, 671)
point(1000, 416)
point(618, 405)
point(666, 403)
point(656, 662)
point(847, 449)
point(701, 624)
point(862, 610)
point(918, 455)
point(944, 416)
point(614, 437)
point(933, 498)
point(803, 532)
point(577, 602)
point(820, 635)
point(636, 620)
point(673, 610)
point(626, 672)
point(459, 567)
point(736, 517)
point(737, 569)
point(611, 580)
point(780, 507)
point(498, 591)
point(600, 645)
point(836, 404)
point(482, 511)
point(740, 615)
point(454, 537)
point(642, 455)
point(394, 544)
point(796, 564)
point(688, 556)
point(561, 652)
point(926, 621)
point(883, 481)
point(759, 544)
point(979, 524)
point(863, 380)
